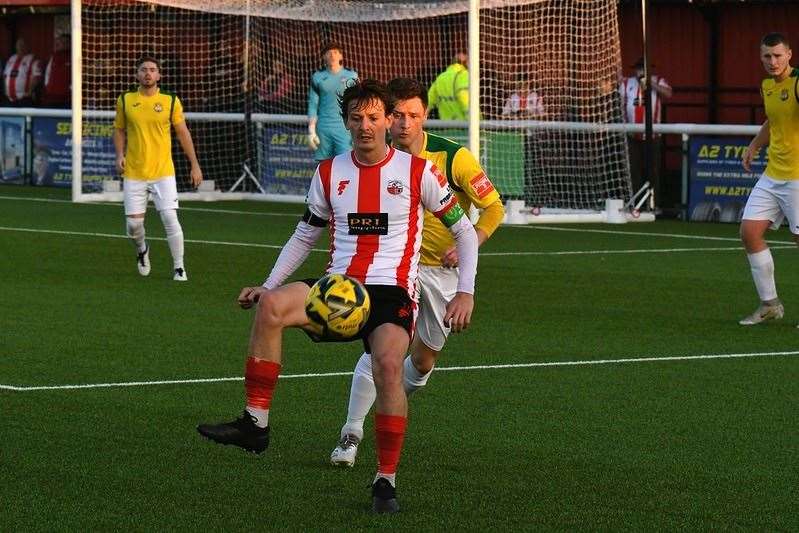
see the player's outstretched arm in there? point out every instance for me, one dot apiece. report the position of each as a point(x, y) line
point(761, 139)
point(459, 309)
point(249, 296)
point(184, 138)
point(293, 253)
point(120, 137)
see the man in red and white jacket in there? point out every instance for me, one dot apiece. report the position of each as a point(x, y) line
point(632, 100)
point(632, 95)
point(21, 75)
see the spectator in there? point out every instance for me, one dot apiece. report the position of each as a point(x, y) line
point(632, 100)
point(22, 74)
point(58, 75)
point(449, 93)
point(275, 89)
point(523, 102)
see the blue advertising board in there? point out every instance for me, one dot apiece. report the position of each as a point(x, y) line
point(12, 149)
point(719, 185)
point(52, 158)
point(286, 161)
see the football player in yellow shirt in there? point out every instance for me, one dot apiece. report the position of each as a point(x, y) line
point(776, 194)
point(143, 143)
point(438, 276)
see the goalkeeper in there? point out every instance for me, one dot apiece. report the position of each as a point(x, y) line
point(327, 136)
point(438, 273)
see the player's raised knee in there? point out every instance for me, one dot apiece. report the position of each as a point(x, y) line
point(270, 309)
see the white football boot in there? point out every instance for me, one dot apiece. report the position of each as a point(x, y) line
point(345, 452)
point(143, 262)
point(763, 313)
point(180, 275)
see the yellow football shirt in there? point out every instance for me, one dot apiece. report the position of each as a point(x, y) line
point(782, 109)
point(147, 120)
point(470, 185)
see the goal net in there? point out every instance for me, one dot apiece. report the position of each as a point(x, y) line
point(548, 72)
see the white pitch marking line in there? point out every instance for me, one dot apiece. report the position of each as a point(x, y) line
point(637, 233)
point(202, 209)
point(521, 226)
point(119, 236)
point(321, 250)
point(438, 368)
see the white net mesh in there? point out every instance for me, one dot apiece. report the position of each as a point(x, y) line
point(554, 61)
point(567, 51)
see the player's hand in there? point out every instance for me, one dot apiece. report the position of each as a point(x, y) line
point(459, 311)
point(450, 258)
point(749, 155)
point(249, 296)
point(196, 176)
point(121, 164)
point(313, 141)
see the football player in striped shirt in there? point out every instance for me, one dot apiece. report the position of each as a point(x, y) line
point(775, 196)
point(438, 274)
point(373, 198)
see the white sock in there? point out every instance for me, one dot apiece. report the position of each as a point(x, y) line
point(261, 416)
point(412, 379)
point(135, 230)
point(762, 266)
point(174, 235)
point(362, 395)
point(392, 478)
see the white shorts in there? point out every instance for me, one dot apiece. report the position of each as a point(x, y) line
point(164, 192)
point(437, 286)
point(774, 200)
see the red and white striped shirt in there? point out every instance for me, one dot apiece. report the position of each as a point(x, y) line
point(375, 214)
point(20, 75)
point(632, 95)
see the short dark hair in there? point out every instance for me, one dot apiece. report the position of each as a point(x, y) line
point(332, 45)
point(773, 39)
point(146, 57)
point(407, 88)
point(364, 91)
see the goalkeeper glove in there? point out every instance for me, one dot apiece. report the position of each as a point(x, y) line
point(313, 138)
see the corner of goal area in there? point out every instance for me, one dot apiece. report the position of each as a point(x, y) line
point(616, 211)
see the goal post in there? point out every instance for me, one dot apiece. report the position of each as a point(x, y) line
point(543, 88)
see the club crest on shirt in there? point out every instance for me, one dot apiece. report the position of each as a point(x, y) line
point(394, 187)
point(158, 108)
point(784, 94)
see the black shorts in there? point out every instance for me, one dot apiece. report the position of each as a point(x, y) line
point(390, 304)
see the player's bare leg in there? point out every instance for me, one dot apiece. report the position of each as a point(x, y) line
point(761, 264)
point(389, 343)
point(275, 310)
point(417, 368)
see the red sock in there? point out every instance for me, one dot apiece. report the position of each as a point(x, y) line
point(390, 432)
point(260, 378)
